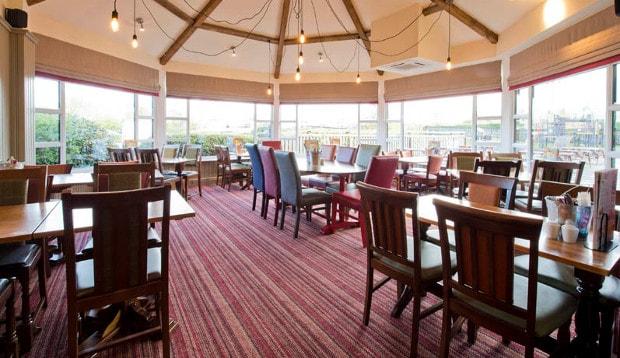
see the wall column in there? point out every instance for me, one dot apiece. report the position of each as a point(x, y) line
point(382, 130)
point(507, 129)
point(276, 111)
point(160, 112)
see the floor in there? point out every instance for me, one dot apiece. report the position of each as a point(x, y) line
point(241, 287)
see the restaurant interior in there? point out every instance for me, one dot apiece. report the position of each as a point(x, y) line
point(309, 178)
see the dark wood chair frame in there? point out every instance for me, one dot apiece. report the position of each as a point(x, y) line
point(121, 154)
point(506, 168)
point(561, 172)
point(7, 300)
point(228, 173)
point(507, 185)
point(103, 168)
point(152, 155)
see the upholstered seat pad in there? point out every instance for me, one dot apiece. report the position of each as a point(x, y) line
point(550, 273)
point(311, 196)
point(433, 236)
point(430, 255)
point(152, 237)
point(4, 283)
point(17, 255)
point(239, 167)
point(610, 292)
point(553, 307)
point(85, 275)
point(334, 187)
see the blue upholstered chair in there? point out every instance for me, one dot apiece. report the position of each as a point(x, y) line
point(258, 180)
point(292, 194)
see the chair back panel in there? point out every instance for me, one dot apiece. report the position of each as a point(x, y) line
point(311, 145)
point(365, 152)
point(120, 225)
point(13, 191)
point(120, 177)
point(121, 154)
point(485, 255)
point(257, 166)
point(384, 213)
point(505, 156)
point(270, 170)
point(561, 172)
point(487, 189)
point(290, 180)
point(504, 168)
point(328, 151)
point(150, 155)
point(59, 169)
point(275, 144)
point(463, 160)
point(381, 171)
point(170, 151)
point(193, 152)
point(345, 155)
point(36, 178)
point(433, 166)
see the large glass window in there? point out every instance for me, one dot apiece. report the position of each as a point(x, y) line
point(75, 123)
point(521, 115)
point(394, 125)
point(288, 127)
point(488, 121)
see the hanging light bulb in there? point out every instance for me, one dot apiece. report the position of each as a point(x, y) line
point(358, 80)
point(134, 41)
point(298, 74)
point(269, 91)
point(302, 37)
point(233, 53)
point(300, 60)
point(448, 64)
point(114, 22)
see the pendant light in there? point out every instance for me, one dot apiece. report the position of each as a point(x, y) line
point(298, 74)
point(300, 59)
point(134, 39)
point(233, 53)
point(269, 90)
point(358, 79)
point(448, 61)
point(114, 22)
point(302, 35)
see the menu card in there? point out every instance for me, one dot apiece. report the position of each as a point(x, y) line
point(603, 219)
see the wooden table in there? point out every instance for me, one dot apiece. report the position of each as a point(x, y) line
point(417, 160)
point(72, 179)
point(524, 177)
point(83, 219)
point(591, 267)
point(18, 222)
point(179, 163)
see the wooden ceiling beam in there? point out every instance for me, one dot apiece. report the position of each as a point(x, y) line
point(326, 38)
point(467, 19)
point(358, 23)
point(431, 9)
point(286, 4)
point(33, 2)
point(189, 30)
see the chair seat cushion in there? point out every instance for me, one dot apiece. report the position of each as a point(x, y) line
point(610, 292)
point(239, 167)
point(85, 276)
point(551, 273)
point(4, 284)
point(521, 204)
point(553, 307)
point(152, 237)
point(189, 173)
point(432, 235)
point(334, 187)
point(14, 256)
point(311, 196)
point(430, 255)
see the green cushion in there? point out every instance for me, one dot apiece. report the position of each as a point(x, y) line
point(432, 235)
point(550, 273)
point(13, 191)
point(430, 255)
point(553, 307)
point(311, 196)
point(124, 181)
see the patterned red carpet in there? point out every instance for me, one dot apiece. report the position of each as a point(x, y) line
point(241, 287)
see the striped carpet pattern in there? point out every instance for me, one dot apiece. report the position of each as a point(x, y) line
point(242, 288)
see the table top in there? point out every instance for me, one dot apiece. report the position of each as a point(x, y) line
point(18, 222)
point(82, 178)
point(420, 159)
point(82, 218)
point(576, 255)
point(329, 167)
point(523, 175)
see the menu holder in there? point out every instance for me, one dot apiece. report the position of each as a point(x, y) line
point(603, 219)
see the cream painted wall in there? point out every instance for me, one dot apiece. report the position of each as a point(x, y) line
point(4, 89)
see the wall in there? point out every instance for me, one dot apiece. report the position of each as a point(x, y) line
point(4, 88)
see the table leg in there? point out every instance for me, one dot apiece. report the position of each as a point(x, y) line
point(341, 223)
point(587, 322)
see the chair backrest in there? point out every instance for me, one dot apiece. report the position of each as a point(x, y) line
point(487, 189)
point(311, 145)
point(271, 176)
point(120, 247)
point(561, 172)
point(328, 151)
point(59, 169)
point(150, 155)
point(365, 152)
point(334, 141)
point(485, 257)
point(505, 156)
point(345, 155)
point(257, 167)
point(120, 154)
point(551, 188)
point(383, 211)
point(123, 176)
point(381, 171)
point(433, 166)
point(504, 168)
point(463, 160)
point(224, 153)
point(193, 152)
point(290, 180)
point(275, 144)
point(21, 186)
point(170, 151)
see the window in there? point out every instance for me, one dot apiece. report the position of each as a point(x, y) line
point(488, 121)
point(440, 124)
point(264, 120)
point(521, 117)
point(75, 123)
point(177, 120)
point(394, 126)
point(345, 124)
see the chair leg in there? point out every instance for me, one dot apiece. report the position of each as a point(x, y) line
point(308, 213)
point(72, 332)
point(298, 214)
point(12, 343)
point(334, 210)
point(266, 205)
point(165, 323)
point(25, 328)
point(415, 327)
point(254, 200)
point(472, 332)
point(282, 216)
point(328, 214)
point(262, 204)
point(199, 182)
point(275, 217)
point(529, 351)
point(42, 282)
point(446, 330)
point(368, 300)
point(607, 322)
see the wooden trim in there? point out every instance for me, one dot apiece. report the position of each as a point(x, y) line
point(283, 23)
point(431, 9)
point(189, 30)
point(358, 23)
point(466, 19)
point(326, 38)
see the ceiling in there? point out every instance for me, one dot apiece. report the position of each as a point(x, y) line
point(94, 16)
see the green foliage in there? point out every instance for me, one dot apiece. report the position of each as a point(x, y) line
point(208, 141)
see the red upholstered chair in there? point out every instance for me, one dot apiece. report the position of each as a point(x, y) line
point(380, 173)
point(423, 181)
point(272, 180)
point(275, 144)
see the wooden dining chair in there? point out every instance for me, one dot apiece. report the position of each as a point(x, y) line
point(193, 152)
point(121, 154)
point(291, 192)
point(7, 301)
point(21, 260)
point(328, 152)
point(122, 267)
point(232, 171)
point(275, 144)
point(170, 151)
point(485, 289)
point(152, 155)
point(271, 181)
point(505, 156)
point(424, 181)
point(506, 168)
point(53, 169)
point(561, 172)
point(397, 253)
point(123, 176)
